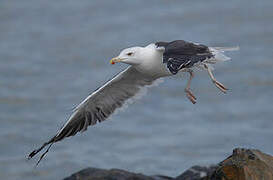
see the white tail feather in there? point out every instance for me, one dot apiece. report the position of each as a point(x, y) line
point(219, 55)
point(235, 48)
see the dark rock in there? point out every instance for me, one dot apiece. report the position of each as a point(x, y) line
point(197, 173)
point(113, 174)
point(243, 164)
point(160, 177)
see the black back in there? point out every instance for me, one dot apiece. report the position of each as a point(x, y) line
point(180, 54)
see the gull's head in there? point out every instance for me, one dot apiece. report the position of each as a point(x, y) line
point(130, 56)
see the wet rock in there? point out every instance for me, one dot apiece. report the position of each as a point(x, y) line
point(243, 164)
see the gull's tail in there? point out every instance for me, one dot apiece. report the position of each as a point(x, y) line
point(218, 53)
point(223, 49)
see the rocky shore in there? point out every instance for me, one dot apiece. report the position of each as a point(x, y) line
point(243, 164)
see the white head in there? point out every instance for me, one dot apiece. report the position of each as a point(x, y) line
point(132, 56)
point(147, 60)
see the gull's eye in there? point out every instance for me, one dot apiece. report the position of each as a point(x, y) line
point(129, 54)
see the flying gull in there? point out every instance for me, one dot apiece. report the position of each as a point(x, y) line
point(147, 64)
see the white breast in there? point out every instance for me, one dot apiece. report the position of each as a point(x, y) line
point(152, 63)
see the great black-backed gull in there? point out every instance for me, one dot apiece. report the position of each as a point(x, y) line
point(147, 64)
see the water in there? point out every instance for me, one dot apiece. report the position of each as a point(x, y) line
point(54, 53)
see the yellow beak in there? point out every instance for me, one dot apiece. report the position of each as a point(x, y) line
point(115, 60)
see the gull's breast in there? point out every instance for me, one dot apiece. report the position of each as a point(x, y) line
point(153, 64)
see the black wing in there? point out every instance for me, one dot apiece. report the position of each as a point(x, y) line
point(180, 54)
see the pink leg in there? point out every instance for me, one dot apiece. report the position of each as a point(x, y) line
point(189, 94)
point(217, 83)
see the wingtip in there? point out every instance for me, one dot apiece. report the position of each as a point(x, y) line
point(31, 154)
point(36, 151)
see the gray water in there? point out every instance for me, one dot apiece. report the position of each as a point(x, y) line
point(54, 53)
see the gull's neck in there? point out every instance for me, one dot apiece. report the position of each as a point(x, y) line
point(151, 62)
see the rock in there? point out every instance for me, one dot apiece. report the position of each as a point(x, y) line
point(243, 164)
point(112, 174)
point(197, 173)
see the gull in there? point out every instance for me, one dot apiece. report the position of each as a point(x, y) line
point(146, 64)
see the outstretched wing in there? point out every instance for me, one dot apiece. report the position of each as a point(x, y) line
point(98, 106)
point(180, 54)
